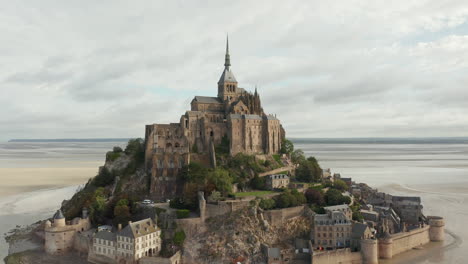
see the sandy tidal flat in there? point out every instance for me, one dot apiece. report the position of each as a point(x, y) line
point(19, 180)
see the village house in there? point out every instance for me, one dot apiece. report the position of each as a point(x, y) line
point(344, 208)
point(331, 230)
point(277, 181)
point(137, 240)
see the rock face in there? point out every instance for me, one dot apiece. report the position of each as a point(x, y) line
point(240, 235)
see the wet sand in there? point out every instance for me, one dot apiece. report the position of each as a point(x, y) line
point(20, 180)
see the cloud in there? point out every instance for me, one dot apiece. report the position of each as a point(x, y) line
point(354, 68)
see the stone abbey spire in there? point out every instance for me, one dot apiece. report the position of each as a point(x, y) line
point(227, 58)
point(227, 84)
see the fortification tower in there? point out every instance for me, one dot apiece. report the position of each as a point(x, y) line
point(386, 246)
point(369, 251)
point(59, 219)
point(436, 229)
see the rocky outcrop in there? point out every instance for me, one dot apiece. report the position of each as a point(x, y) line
point(240, 235)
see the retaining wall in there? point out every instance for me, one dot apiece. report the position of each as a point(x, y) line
point(408, 240)
point(279, 216)
point(343, 256)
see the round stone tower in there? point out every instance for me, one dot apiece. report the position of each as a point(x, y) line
point(369, 251)
point(386, 246)
point(59, 219)
point(436, 229)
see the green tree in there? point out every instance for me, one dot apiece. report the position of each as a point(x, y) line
point(258, 183)
point(221, 180)
point(340, 185)
point(335, 197)
point(136, 148)
point(117, 149)
point(267, 204)
point(315, 197)
point(104, 178)
point(297, 156)
point(287, 147)
point(283, 200)
point(309, 170)
point(122, 212)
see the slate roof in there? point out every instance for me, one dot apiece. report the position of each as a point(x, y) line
point(358, 229)
point(227, 76)
point(106, 235)
point(255, 117)
point(58, 215)
point(336, 207)
point(139, 228)
point(208, 100)
point(278, 176)
point(250, 117)
point(271, 117)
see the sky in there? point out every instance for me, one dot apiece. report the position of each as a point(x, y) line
point(91, 69)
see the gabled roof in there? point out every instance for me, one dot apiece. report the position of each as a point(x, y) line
point(139, 228)
point(106, 235)
point(358, 229)
point(207, 100)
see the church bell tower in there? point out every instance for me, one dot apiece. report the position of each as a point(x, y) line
point(227, 84)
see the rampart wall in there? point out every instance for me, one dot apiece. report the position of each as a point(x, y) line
point(175, 259)
point(343, 256)
point(279, 216)
point(408, 240)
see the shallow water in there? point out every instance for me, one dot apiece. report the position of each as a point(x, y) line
point(436, 172)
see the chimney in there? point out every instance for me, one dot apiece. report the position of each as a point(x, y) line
point(120, 227)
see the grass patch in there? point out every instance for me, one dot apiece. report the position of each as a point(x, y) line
point(316, 187)
point(254, 193)
point(278, 159)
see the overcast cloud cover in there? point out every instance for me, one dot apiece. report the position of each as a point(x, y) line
point(80, 69)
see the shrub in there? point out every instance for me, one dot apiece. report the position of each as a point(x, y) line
point(182, 213)
point(117, 149)
point(314, 196)
point(112, 156)
point(340, 185)
point(267, 204)
point(287, 147)
point(104, 178)
point(258, 183)
point(179, 238)
point(335, 197)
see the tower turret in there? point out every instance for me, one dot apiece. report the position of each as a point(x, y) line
point(227, 84)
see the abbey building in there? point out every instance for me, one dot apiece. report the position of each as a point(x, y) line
point(234, 114)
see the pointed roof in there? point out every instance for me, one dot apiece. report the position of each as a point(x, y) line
point(58, 215)
point(227, 75)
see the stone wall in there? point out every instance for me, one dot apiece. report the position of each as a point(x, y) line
point(279, 216)
point(408, 240)
point(191, 226)
point(175, 259)
point(224, 207)
point(81, 243)
point(275, 171)
point(343, 256)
